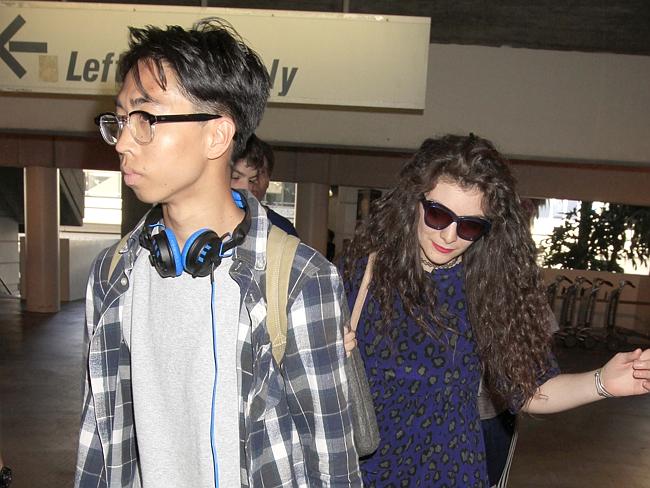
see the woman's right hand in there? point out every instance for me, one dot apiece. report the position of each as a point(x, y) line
point(349, 340)
point(642, 368)
point(627, 373)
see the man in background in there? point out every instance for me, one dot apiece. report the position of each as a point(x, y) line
point(252, 172)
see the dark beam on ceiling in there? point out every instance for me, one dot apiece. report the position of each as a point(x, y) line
point(615, 26)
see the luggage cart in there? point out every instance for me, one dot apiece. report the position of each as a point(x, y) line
point(554, 290)
point(586, 335)
point(574, 292)
point(617, 337)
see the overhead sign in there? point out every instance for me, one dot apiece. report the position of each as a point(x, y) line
point(7, 46)
point(312, 57)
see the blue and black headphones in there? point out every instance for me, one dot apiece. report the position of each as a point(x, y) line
point(201, 253)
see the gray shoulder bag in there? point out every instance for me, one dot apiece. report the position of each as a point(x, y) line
point(364, 421)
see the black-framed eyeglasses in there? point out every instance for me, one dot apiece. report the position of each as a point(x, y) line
point(439, 217)
point(141, 124)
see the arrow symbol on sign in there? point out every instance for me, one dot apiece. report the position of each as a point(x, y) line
point(17, 46)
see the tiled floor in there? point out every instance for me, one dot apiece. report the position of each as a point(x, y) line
point(605, 445)
point(40, 393)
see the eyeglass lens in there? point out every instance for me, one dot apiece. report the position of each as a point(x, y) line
point(140, 127)
point(440, 218)
point(111, 127)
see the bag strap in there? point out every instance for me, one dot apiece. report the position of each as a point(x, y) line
point(116, 255)
point(280, 251)
point(363, 292)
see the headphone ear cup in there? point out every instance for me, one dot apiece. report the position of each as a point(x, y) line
point(166, 255)
point(200, 252)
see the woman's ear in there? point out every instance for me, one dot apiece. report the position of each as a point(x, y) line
point(220, 135)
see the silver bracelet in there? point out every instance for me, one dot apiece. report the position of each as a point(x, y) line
point(600, 388)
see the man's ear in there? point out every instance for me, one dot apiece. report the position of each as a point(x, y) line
point(221, 133)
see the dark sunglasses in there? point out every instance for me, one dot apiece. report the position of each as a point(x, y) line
point(439, 217)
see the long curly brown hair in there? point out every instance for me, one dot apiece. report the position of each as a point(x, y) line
point(504, 287)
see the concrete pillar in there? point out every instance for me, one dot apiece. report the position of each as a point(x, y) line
point(311, 214)
point(42, 267)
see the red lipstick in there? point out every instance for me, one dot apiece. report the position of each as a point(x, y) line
point(441, 249)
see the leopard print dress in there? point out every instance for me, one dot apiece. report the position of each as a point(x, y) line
point(425, 394)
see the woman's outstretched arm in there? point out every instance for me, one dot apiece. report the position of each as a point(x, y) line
point(627, 373)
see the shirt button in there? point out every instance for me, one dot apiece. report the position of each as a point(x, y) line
point(124, 281)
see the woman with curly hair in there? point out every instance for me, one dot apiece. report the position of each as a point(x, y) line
point(456, 295)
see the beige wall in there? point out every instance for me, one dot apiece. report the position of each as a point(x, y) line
point(532, 103)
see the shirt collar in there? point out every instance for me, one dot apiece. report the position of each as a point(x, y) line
point(253, 250)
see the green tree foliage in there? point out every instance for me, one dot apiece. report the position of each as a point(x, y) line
point(598, 239)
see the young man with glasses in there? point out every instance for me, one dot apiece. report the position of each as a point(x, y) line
point(181, 388)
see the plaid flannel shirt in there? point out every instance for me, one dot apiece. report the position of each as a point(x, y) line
point(294, 422)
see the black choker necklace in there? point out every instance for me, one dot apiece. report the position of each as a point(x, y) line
point(431, 266)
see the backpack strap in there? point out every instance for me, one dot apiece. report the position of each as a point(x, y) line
point(116, 255)
point(280, 251)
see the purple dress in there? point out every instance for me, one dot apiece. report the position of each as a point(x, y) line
point(425, 393)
